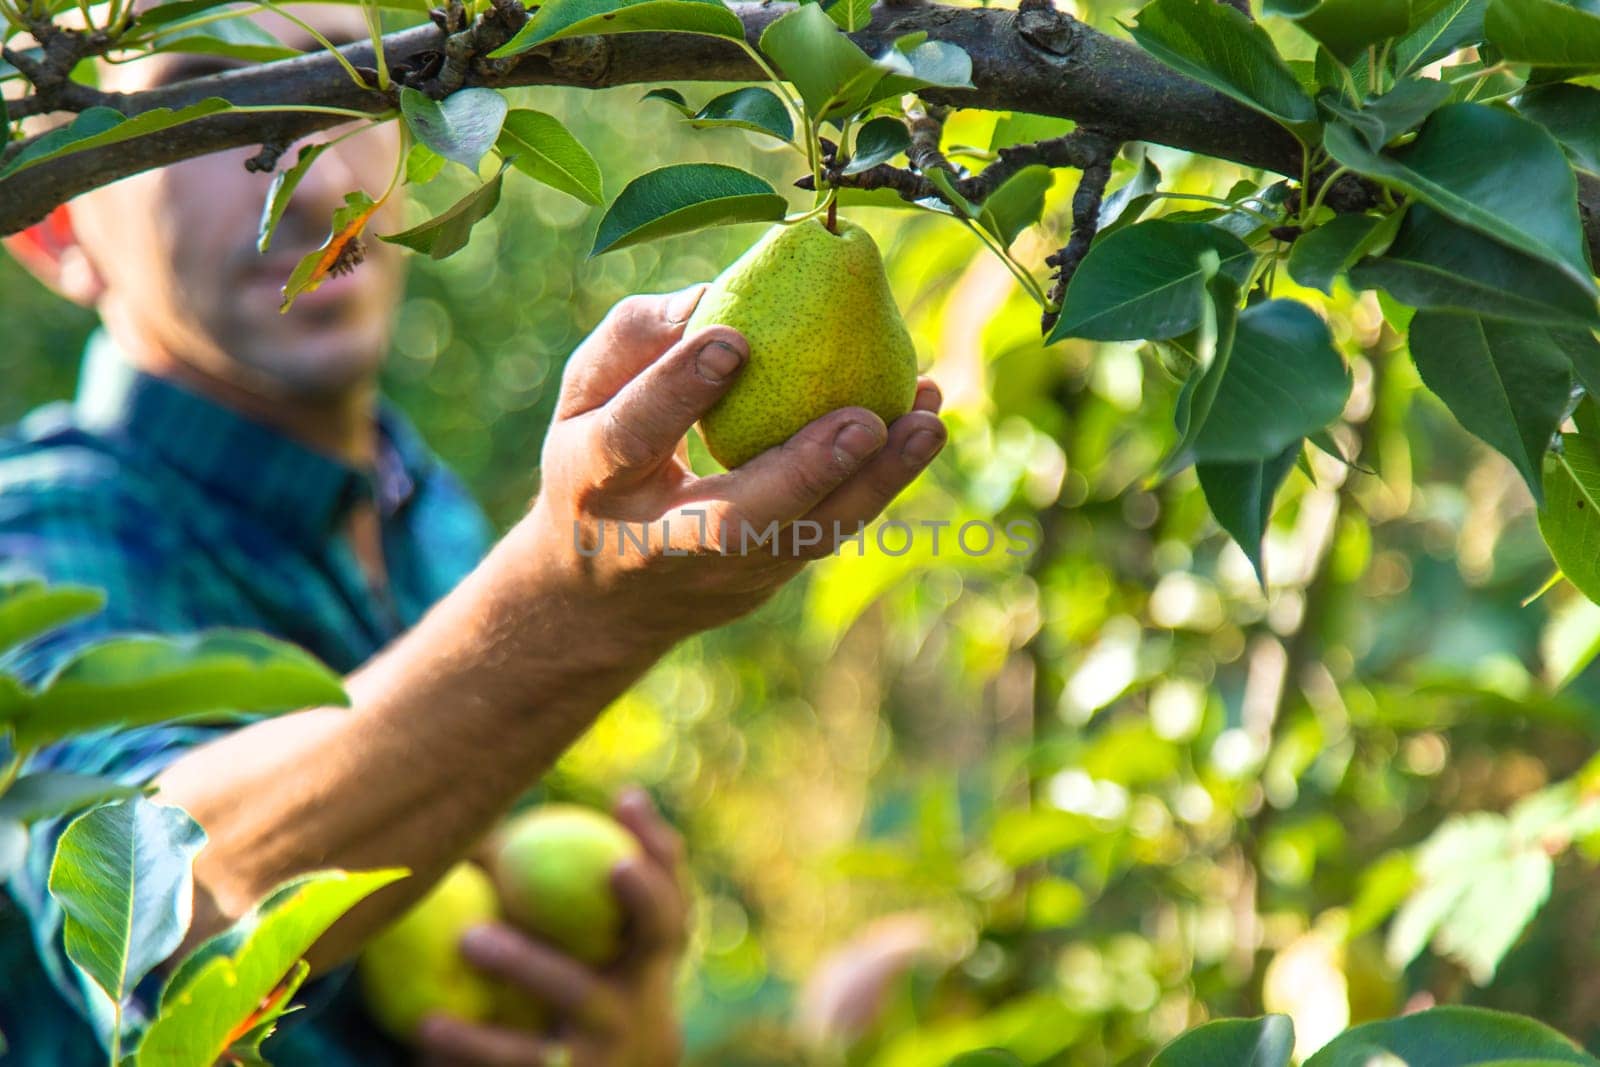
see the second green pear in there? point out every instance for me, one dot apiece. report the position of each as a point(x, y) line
point(824, 333)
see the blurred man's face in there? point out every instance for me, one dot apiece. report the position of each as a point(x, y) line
point(176, 248)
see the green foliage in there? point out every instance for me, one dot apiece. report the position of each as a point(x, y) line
point(447, 233)
point(685, 197)
point(96, 127)
point(1264, 1042)
point(461, 127)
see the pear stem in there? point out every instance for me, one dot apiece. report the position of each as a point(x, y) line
point(833, 215)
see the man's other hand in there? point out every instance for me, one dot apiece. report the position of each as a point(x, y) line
point(615, 467)
point(621, 1015)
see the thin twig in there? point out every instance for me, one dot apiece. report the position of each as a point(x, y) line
point(1085, 223)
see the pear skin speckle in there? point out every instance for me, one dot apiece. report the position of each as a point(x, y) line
point(824, 333)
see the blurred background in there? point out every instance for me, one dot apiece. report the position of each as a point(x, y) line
point(1096, 795)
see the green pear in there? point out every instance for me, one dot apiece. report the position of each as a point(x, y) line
point(415, 967)
point(553, 868)
point(824, 333)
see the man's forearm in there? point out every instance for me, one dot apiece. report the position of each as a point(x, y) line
point(448, 726)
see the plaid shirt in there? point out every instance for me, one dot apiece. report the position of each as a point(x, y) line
point(191, 516)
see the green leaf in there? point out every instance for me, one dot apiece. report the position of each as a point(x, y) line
point(423, 164)
point(1450, 1037)
point(1223, 48)
point(1129, 201)
point(97, 127)
point(556, 19)
point(684, 197)
point(672, 98)
point(1210, 347)
point(1439, 28)
point(1320, 256)
point(13, 853)
point(1570, 518)
point(1346, 27)
point(1435, 263)
point(1544, 33)
point(30, 609)
point(931, 64)
point(1507, 383)
point(462, 126)
point(1571, 114)
point(878, 141)
point(1016, 205)
point(1401, 109)
point(541, 147)
point(1283, 381)
point(233, 38)
point(850, 15)
point(1145, 282)
point(220, 986)
point(750, 108)
point(50, 793)
point(447, 232)
point(123, 875)
point(1024, 127)
point(821, 62)
point(1522, 193)
point(1264, 1042)
point(1240, 497)
point(282, 190)
point(131, 680)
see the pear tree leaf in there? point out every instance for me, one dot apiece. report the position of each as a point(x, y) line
point(123, 875)
point(96, 127)
point(1569, 521)
point(338, 251)
point(542, 148)
point(463, 126)
point(1346, 27)
point(750, 108)
point(933, 64)
point(1024, 127)
point(1264, 1042)
point(1145, 282)
point(1571, 114)
point(423, 164)
point(850, 15)
point(1522, 194)
point(214, 996)
point(1452, 1036)
point(134, 680)
point(1320, 256)
point(1284, 380)
point(1210, 347)
point(1016, 205)
point(1384, 118)
point(672, 98)
point(1124, 206)
point(556, 19)
point(1439, 27)
point(878, 141)
point(1240, 497)
point(446, 233)
point(30, 609)
point(683, 197)
point(822, 63)
point(47, 794)
point(1435, 263)
point(282, 190)
point(1544, 33)
point(1223, 48)
point(1507, 383)
point(232, 38)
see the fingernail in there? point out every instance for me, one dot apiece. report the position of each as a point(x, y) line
point(682, 305)
point(717, 361)
point(921, 447)
point(855, 442)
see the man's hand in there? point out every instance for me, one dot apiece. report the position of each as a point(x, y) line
point(621, 1016)
point(615, 458)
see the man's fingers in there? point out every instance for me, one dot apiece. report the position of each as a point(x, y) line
point(631, 337)
point(635, 810)
point(450, 1042)
point(641, 427)
point(914, 440)
point(786, 482)
point(506, 953)
point(929, 397)
point(654, 906)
